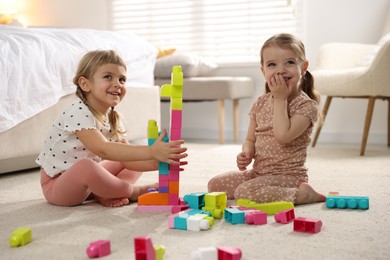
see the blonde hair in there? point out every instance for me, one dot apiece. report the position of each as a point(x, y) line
point(87, 67)
point(291, 42)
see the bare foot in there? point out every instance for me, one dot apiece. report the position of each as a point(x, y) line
point(139, 190)
point(112, 202)
point(306, 194)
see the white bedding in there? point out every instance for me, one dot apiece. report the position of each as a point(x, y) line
point(37, 65)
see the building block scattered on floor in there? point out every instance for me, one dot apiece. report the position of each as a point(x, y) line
point(99, 248)
point(256, 218)
point(347, 202)
point(302, 224)
point(160, 251)
point(215, 203)
point(205, 253)
point(234, 216)
point(229, 253)
point(144, 249)
point(194, 200)
point(285, 216)
point(271, 208)
point(20, 237)
point(217, 253)
point(191, 219)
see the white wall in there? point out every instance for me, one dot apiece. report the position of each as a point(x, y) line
point(326, 21)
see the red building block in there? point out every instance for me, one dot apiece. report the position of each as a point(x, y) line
point(306, 225)
point(229, 253)
point(143, 249)
point(285, 216)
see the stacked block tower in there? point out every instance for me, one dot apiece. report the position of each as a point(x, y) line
point(167, 194)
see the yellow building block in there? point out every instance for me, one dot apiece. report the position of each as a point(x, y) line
point(152, 129)
point(271, 208)
point(20, 237)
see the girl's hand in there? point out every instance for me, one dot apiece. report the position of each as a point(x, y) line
point(170, 152)
point(279, 88)
point(243, 160)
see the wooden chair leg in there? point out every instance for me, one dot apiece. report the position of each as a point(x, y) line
point(235, 119)
point(324, 112)
point(221, 120)
point(388, 122)
point(367, 123)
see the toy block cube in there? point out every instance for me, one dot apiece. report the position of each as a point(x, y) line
point(176, 119)
point(152, 129)
point(234, 216)
point(205, 253)
point(195, 200)
point(175, 134)
point(174, 175)
point(349, 202)
point(256, 218)
point(144, 249)
point(20, 237)
point(229, 253)
point(160, 251)
point(198, 222)
point(177, 76)
point(174, 187)
point(173, 199)
point(163, 189)
point(99, 248)
point(163, 168)
point(285, 216)
point(151, 141)
point(306, 225)
point(176, 103)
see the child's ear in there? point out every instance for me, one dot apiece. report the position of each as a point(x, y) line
point(262, 69)
point(304, 68)
point(83, 83)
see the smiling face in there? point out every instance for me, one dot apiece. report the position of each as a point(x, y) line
point(106, 87)
point(284, 62)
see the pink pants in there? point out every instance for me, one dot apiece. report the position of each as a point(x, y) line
point(107, 179)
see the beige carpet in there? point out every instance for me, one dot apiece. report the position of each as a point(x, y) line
point(64, 233)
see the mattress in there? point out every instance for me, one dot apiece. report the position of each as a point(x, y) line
point(37, 66)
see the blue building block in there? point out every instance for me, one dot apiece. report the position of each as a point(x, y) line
point(195, 200)
point(234, 216)
point(347, 202)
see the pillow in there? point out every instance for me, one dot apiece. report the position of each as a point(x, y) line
point(164, 52)
point(192, 65)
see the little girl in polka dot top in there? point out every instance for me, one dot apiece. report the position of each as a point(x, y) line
point(281, 122)
point(86, 154)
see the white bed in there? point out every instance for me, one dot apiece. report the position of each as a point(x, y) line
point(36, 70)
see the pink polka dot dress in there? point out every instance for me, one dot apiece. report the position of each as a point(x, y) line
point(278, 169)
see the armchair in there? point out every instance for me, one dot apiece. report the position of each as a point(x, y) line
point(353, 70)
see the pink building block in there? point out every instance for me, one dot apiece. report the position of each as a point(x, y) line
point(256, 218)
point(306, 225)
point(176, 119)
point(285, 216)
point(144, 249)
point(229, 253)
point(99, 248)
